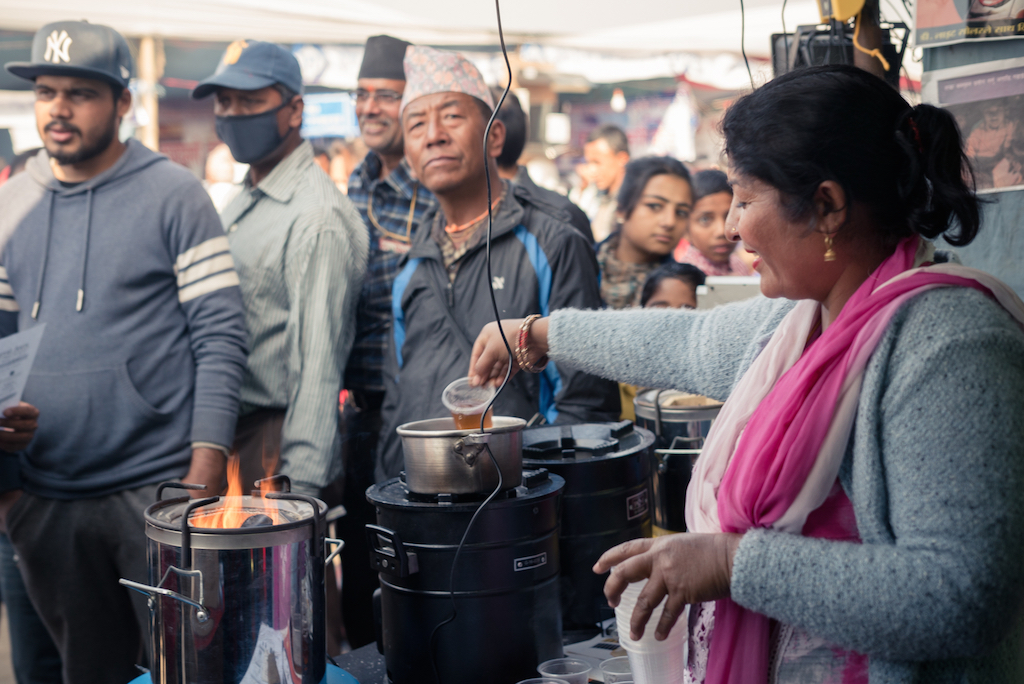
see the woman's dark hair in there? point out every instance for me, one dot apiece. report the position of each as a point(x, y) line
point(639, 172)
point(905, 164)
point(709, 182)
point(688, 273)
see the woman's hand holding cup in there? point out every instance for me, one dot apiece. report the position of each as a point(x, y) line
point(489, 361)
point(689, 568)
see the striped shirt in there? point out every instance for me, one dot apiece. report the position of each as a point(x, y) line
point(300, 252)
point(392, 200)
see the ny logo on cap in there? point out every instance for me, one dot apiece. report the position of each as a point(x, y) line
point(57, 47)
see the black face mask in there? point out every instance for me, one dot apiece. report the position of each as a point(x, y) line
point(252, 137)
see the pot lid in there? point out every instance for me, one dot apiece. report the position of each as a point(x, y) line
point(584, 441)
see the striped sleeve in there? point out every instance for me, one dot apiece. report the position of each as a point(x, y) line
point(7, 301)
point(205, 268)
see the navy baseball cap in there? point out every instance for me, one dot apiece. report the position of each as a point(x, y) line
point(77, 48)
point(251, 65)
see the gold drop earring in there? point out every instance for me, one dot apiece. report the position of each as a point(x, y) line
point(830, 254)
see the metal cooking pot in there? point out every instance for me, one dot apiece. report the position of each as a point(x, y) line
point(238, 605)
point(674, 427)
point(440, 459)
point(679, 437)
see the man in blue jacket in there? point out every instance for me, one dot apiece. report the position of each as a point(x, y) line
point(122, 255)
point(441, 299)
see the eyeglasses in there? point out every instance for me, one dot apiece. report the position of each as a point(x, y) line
point(381, 96)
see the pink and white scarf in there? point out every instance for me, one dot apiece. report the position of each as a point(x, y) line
point(774, 453)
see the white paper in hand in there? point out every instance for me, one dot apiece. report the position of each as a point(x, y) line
point(17, 352)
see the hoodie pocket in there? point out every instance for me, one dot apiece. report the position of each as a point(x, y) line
point(91, 421)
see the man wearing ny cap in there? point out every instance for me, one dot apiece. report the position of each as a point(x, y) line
point(392, 204)
point(121, 254)
point(441, 299)
point(300, 250)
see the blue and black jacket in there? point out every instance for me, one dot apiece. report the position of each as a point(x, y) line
point(539, 263)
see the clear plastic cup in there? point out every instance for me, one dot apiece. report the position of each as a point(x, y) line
point(541, 680)
point(566, 670)
point(651, 661)
point(467, 403)
point(616, 670)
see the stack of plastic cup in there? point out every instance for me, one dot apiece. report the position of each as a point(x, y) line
point(651, 661)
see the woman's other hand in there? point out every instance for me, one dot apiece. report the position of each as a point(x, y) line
point(689, 568)
point(490, 358)
point(18, 426)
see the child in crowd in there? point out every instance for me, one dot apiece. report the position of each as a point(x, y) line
point(670, 286)
point(653, 212)
point(710, 249)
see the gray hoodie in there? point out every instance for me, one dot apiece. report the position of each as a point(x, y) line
point(145, 343)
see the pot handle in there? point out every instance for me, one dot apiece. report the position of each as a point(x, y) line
point(202, 615)
point(338, 546)
point(388, 554)
point(470, 447)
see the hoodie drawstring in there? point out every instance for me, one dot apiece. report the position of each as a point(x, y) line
point(46, 253)
point(85, 251)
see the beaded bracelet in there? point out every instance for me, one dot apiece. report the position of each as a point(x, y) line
point(523, 351)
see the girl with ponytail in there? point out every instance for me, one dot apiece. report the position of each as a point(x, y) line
point(855, 515)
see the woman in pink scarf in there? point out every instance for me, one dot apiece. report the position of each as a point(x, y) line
point(856, 514)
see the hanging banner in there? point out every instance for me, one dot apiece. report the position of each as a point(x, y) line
point(943, 22)
point(987, 100)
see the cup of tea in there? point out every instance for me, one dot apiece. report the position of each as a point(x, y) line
point(467, 403)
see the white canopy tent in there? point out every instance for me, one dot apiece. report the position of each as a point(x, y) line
point(601, 41)
point(640, 26)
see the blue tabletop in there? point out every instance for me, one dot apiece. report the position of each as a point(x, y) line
point(335, 675)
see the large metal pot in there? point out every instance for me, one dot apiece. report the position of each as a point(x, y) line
point(440, 459)
point(238, 605)
point(679, 437)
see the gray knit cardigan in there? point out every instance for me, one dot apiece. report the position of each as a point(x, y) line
point(935, 471)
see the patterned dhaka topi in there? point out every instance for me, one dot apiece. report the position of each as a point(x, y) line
point(429, 71)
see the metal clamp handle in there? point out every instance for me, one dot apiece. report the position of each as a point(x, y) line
point(202, 615)
point(338, 546)
point(177, 485)
point(283, 480)
point(318, 520)
point(470, 447)
point(388, 554)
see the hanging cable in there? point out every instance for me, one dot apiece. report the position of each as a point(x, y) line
point(743, 42)
point(508, 348)
point(785, 36)
point(874, 52)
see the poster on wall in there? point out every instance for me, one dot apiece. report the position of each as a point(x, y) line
point(987, 100)
point(943, 22)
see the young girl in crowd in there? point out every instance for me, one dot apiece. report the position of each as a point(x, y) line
point(709, 248)
point(654, 206)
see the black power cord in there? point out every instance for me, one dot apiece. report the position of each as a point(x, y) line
point(508, 372)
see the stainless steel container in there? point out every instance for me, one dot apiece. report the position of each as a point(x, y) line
point(239, 605)
point(679, 432)
point(440, 459)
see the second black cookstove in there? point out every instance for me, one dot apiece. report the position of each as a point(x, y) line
point(506, 582)
point(607, 501)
